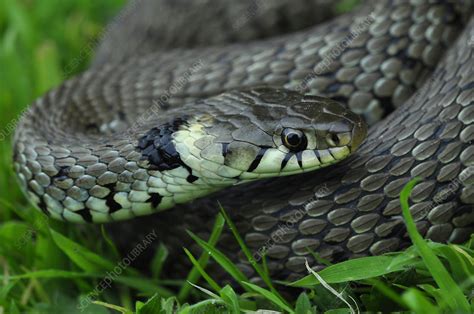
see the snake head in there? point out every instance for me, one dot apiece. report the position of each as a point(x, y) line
point(266, 132)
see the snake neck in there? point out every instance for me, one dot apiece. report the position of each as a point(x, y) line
point(158, 148)
point(173, 180)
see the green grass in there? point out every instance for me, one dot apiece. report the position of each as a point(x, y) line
point(48, 267)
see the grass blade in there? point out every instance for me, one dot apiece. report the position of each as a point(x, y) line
point(194, 274)
point(113, 307)
point(356, 269)
point(221, 259)
point(80, 255)
point(153, 305)
point(249, 255)
point(141, 284)
point(418, 303)
point(230, 298)
point(203, 273)
point(303, 306)
point(332, 290)
point(109, 242)
point(451, 292)
point(270, 296)
point(158, 261)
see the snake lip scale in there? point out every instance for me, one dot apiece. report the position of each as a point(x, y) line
point(254, 123)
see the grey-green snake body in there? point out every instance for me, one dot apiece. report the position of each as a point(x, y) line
point(85, 152)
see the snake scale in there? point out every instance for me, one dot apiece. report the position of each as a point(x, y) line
point(148, 127)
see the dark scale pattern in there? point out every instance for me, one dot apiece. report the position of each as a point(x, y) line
point(85, 214)
point(110, 201)
point(191, 178)
point(257, 159)
point(155, 199)
point(156, 146)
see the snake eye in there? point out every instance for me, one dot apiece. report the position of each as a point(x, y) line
point(293, 139)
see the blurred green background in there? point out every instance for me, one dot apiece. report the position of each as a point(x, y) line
point(42, 43)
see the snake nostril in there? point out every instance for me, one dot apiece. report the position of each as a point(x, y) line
point(332, 139)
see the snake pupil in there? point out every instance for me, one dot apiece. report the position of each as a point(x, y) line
point(293, 139)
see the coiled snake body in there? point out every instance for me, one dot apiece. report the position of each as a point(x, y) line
point(148, 129)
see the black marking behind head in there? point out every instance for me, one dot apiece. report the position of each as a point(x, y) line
point(157, 147)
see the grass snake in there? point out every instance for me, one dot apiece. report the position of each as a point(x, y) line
point(148, 127)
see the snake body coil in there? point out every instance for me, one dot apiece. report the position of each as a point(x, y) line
point(143, 132)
